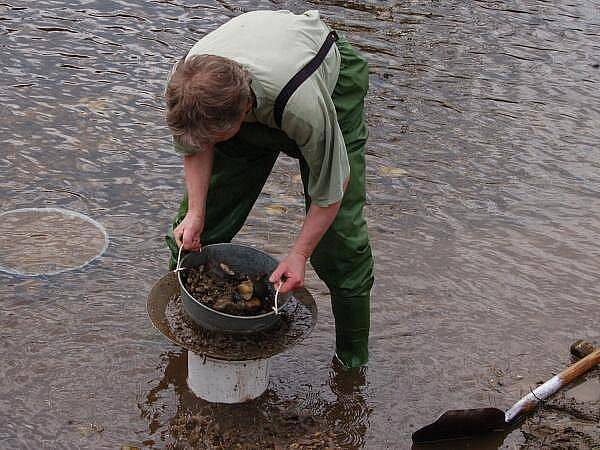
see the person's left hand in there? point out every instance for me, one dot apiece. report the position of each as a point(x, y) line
point(289, 274)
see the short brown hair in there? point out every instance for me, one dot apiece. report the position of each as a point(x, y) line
point(205, 94)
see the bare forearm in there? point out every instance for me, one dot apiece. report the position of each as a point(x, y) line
point(197, 169)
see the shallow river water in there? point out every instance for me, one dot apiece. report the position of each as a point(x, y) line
point(483, 206)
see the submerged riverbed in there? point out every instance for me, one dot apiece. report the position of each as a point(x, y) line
point(483, 207)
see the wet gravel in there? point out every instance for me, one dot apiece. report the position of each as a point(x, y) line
point(564, 423)
point(296, 321)
point(288, 429)
point(218, 287)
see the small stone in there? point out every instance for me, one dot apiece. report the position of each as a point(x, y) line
point(222, 303)
point(253, 305)
point(246, 289)
point(225, 268)
point(581, 348)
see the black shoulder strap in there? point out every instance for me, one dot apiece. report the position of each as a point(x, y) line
point(301, 77)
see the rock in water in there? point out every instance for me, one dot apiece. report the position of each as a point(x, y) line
point(581, 348)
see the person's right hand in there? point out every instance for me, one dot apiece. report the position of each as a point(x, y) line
point(188, 232)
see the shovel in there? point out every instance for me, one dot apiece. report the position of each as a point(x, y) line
point(463, 423)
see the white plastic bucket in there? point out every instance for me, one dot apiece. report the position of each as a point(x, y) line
point(220, 381)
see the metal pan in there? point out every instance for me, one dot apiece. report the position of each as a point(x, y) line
point(240, 258)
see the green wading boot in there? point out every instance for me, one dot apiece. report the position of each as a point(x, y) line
point(352, 319)
point(351, 358)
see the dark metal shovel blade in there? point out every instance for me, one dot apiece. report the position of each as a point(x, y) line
point(461, 423)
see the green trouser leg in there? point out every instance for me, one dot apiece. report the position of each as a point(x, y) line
point(343, 258)
point(241, 167)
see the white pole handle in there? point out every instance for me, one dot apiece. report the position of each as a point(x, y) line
point(542, 392)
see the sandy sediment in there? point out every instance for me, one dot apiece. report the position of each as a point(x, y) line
point(565, 422)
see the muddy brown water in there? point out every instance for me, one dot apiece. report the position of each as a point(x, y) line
point(483, 206)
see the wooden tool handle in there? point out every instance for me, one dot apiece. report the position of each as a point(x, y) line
point(580, 367)
point(531, 400)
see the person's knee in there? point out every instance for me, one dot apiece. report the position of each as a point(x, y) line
point(346, 271)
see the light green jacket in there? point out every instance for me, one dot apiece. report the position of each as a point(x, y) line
point(273, 46)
